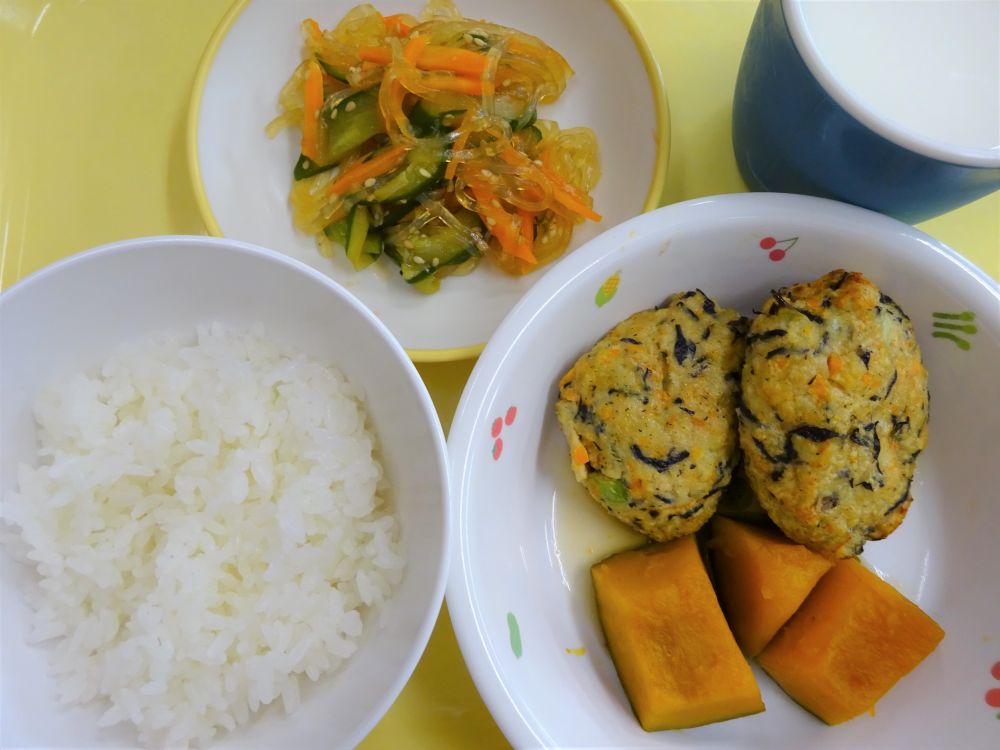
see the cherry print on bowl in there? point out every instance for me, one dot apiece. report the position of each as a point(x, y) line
point(497, 427)
point(777, 249)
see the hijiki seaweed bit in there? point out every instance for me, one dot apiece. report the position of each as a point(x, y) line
point(420, 141)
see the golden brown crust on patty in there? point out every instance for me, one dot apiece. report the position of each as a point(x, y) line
point(649, 414)
point(834, 412)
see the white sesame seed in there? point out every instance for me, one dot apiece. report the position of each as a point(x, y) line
point(516, 222)
point(333, 115)
point(349, 107)
point(495, 203)
point(537, 162)
point(418, 260)
point(435, 262)
point(486, 173)
point(505, 82)
point(491, 221)
point(478, 42)
point(424, 172)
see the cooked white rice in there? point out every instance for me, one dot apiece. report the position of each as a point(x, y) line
point(208, 524)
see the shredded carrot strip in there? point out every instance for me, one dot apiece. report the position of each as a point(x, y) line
point(562, 191)
point(580, 455)
point(501, 223)
point(383, 55)
point(358, 173)
point(313, 30)
point(462, 61)
point(455, 84)
point(414, 48)
point(377, 55)
point(574, 204)
point(566, 194)
point(433, 57)
point(313, 102)
point(398, 24)
point(527, 230)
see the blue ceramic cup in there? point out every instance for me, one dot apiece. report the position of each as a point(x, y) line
point(798, 129)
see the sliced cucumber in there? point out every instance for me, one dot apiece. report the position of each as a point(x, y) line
point(337, 231)
point(306, 167)
point(424, 167)
point(333, 71)
point(387, 214)
point(349, 124)
point(428, 122)
point(528, 139)
point(524, 120)
point(426, 254)
point(363, 245)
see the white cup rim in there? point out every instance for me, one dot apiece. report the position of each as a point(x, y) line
point(912, 140)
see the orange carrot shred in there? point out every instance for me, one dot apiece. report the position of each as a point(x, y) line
point(580, 455)
point(312, 29)
point(397, 24)
point(377, 55)
point(313, 102)
point(564, 193)
point(413, 48)
point(527, 228)
point(501, 223)
point(431, 57)
point(455, 84)
point(462, 61)
point(361, 171)
point(574, 204)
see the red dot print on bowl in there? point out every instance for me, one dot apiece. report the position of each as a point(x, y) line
point(497, 427)
point(993, 694)
point(777, 249)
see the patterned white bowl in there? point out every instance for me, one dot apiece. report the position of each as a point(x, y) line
point(526, 534)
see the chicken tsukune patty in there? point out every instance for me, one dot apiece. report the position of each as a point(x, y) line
point(650, 414)
point(834, 412)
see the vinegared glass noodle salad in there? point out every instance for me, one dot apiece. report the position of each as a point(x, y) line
point(209, 528)
point(420, 142)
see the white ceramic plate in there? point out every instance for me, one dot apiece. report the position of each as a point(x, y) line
point(242, 178)
point(68, 318)
point(526, 533)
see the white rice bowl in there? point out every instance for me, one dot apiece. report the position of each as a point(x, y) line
point(70, 316)
point(208, 527)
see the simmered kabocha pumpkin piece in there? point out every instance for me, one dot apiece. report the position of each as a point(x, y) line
point(761, 578)
point(852, 639)
point(674, 653)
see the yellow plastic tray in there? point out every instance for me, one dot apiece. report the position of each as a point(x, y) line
point(93, 101)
